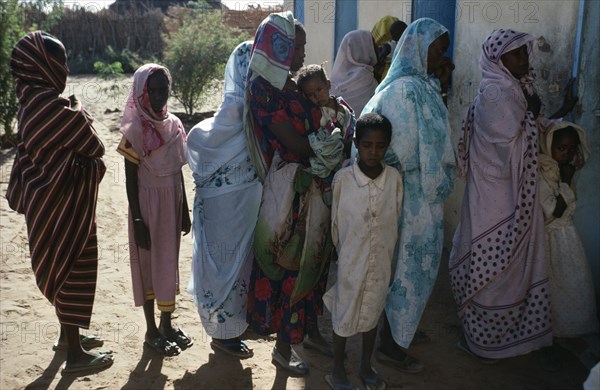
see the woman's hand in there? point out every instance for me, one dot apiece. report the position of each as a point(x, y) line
point(534, 103)
point(142, 235)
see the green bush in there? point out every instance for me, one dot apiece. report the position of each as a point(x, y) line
point(196, 53)
point(10, 33)
point(108, 71)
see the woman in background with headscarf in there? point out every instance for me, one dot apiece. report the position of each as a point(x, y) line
point(386, 34)
point(352, 76)
point(225, 212)
point(421, 149)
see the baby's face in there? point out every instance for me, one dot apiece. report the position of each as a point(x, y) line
point(317, 91)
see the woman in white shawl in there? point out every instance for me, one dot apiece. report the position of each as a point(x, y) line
point(228, 195)
point(352, 76)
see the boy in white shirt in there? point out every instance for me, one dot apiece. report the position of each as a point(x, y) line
point(367, 203)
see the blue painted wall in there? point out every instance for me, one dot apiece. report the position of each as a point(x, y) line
point(444, 11)
point(346, 20)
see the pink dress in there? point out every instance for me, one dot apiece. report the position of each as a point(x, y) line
point(156, 143)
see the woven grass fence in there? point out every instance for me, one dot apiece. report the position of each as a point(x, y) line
point(86, 35)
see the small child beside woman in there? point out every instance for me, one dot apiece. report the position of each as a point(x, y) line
point(563, 150)
point(337, 120)
point(365, 238)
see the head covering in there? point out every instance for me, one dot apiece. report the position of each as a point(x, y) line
point(410, 57)
point(32, 65)
point(40, 78)
point(411, 100)
point(381, 31)
point(155, 136)
point(220, 140)
point(500, 98)
point(352, 75)
point(273, 49)
point(548, 166)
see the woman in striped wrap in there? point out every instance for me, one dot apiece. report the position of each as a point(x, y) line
point(54, 183)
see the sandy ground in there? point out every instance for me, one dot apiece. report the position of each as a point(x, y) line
point(28, 325)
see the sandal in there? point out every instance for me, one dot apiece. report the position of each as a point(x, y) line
point(408, 364)
point(239, 349)
point(103, 360)
point(178, 336)
point(295, 365)
point(376, 383)
point(163, 346)
point(87, 343)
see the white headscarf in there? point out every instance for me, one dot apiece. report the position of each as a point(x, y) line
point(352, 75)
point(220, 140)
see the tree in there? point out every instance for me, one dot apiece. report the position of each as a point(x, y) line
point(196, 53)
point(10, 32)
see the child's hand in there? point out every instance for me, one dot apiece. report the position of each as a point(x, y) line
point(578, 161)
point(566, 172)
point(142, 235)
point(186, 223)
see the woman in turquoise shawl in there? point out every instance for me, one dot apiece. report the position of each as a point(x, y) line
point(411, 98)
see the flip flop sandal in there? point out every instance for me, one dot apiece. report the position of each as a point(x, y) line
point(338, 386)
point(239, 349)
point(163, 346)
point(295, 365)
point(100, 362)
point(179, 337)
point(87, 343)
point(373, 383)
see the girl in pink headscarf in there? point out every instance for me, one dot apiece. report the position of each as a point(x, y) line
point(154, 147)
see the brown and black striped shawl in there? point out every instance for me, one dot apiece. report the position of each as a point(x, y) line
point(54, 181)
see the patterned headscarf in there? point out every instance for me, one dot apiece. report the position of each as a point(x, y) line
point(411, 100)
point(500, 93)
point(410, 57)
point(33, 66)
point(148, 131)
point(273, 49)
point(218, 141)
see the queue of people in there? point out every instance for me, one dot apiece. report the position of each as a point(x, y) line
point(278, 197)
